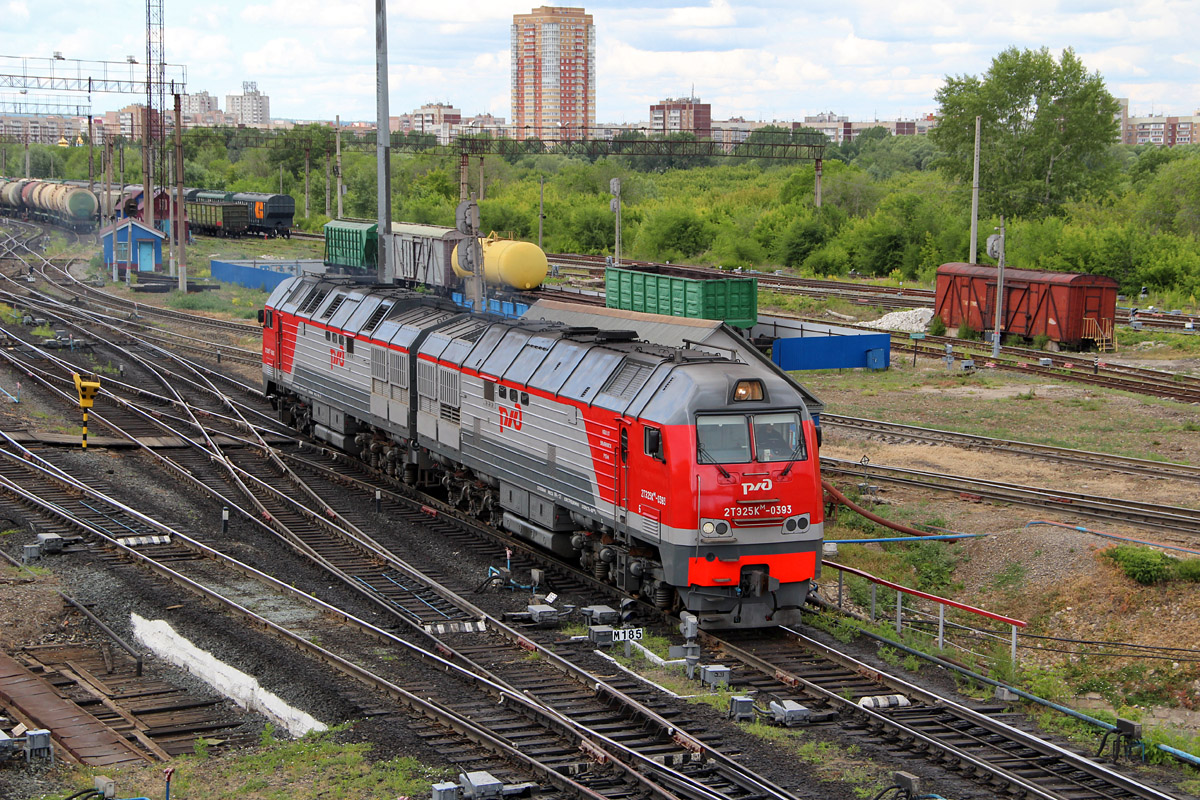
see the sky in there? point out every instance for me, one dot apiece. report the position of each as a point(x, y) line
point(757, 59)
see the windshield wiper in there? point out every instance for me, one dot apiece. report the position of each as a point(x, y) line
point(705, 454)
point(792, 458)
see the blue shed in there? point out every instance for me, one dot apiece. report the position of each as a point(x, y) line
point(808, 345)
point(130, 243)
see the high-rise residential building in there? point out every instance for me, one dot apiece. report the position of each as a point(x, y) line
point(199, 103)
point(251, 107)
point(553, 73)
point(686, 114)
point(1162, 131)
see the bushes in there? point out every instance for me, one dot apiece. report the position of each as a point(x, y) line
point(937, 327)
point(1148, 566)
point(1188, 570)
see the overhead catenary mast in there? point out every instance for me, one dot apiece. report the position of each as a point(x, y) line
point(155, 102)
point(383, 173)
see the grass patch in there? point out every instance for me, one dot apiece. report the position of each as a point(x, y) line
point(316, 765)
point(1164, 344)
point(1011, 576)
point(833, 763)
point(1144, 564)
point(238, 303)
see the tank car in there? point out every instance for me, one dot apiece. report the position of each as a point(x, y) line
point(679, 474)
point(59, 203)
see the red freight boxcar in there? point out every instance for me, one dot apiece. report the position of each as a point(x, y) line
point(1069, 307)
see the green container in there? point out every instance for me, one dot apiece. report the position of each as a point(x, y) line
point(733, 301)
point(351, 244)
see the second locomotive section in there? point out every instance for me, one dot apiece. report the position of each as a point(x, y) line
point(679, 474)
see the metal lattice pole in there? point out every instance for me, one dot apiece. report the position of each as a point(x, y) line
point(156, 104)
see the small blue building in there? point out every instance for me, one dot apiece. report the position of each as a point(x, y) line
point(130, 243)
point(809, 345)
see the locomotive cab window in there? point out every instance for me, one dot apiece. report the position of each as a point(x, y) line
point(778, 437)
point(723, 439)
point(654, 444)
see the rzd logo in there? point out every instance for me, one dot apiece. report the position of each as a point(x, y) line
point(510, 419)
point(764, 485)
point(337, 357)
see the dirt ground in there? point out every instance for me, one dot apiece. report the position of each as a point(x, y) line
point(1053, 577)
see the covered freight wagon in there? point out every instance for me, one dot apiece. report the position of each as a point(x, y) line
point(271, 214)
point(351, 244)
point(421, 255)
point(1070, 308)
point(218, 219)
point(730, 300)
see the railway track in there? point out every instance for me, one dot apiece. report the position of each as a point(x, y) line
point(859, 293)
point(945, 741)
point(1139, 380)
point(1174, 519)
point(977, 740)
point(1105, 461)
point(698, 771)
point(346, 551)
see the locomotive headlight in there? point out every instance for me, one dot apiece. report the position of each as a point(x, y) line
point(796, 524)
point(708, 527)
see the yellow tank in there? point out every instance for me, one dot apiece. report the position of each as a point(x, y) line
point(519, 265)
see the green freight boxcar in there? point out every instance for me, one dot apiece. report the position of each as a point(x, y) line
point(351, 244)
point(734, 301)
point(218, 219)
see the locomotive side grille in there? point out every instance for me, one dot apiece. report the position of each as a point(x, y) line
point(379, 364)
point(651, 527)
point(314, 299)
point(426, 380)
point(399, 393)
point(426, 405)
point(334, 306)
point(625, 383)
point(450, 414)
point(377, 317)
point(378, 386)
point(448, 391)
point(400, 369)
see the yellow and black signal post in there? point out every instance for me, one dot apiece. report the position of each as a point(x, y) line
point(87, 391)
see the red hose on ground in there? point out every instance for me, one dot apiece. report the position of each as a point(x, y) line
point(850, 504)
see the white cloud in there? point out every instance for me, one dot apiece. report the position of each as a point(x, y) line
point(716, 14)
point(778, 58)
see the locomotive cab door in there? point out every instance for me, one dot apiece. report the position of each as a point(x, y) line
point(274, 327)
point(621, 478)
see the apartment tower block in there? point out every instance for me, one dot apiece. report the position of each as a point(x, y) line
point(553, 73)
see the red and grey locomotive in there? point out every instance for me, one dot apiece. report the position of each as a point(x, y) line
point(680, 474)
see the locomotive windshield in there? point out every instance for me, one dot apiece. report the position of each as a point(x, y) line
point(776, 437)
point(726, 438)
point(723, 439)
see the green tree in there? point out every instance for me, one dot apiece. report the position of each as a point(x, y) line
point(1046, 130)
point(1171, 200)
point(673, 234)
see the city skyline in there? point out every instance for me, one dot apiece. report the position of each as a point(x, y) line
point(758, 60)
